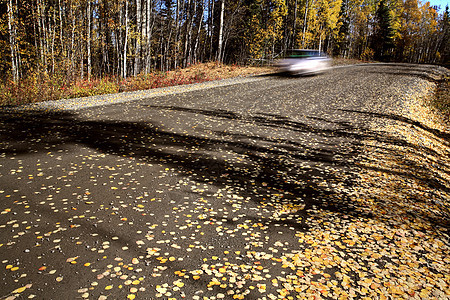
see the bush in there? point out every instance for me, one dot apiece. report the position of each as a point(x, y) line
point(85, 88)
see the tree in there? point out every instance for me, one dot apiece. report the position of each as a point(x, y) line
point(219, 50)
point(383, 41)
point(13, 41)
point(443, 45)
point(341, 39)
point(93, 38)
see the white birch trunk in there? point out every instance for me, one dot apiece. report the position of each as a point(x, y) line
point(219, 50)
point(124, 75)
point(198, 34)
point(149, 36)
point(72, 42)
point(89, 57)
point(53, 32)
point(137, 56)
point(211, 28)
point(12, 42)
point(177, 34)
point(305, 24)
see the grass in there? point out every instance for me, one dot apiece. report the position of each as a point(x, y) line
point(43, 87)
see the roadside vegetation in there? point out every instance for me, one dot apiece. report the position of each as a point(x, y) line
point(441, 100)
point(43, 87)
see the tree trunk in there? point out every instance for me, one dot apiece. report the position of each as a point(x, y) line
point(53, 32)
point(42, 33)
point(177, 34)
point(89, 58)
point(211, 29)
point(137, 66)
point(305, 24)
point(61, 26)
point(320, 42)
point(148, 36)
point(124, 70)
point(189, 42)
point(219, 50)
point(189, 17)
point(294, 34)
point(12, 41)
point(198, 34)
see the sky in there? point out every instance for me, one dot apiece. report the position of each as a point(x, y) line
point(442, 3)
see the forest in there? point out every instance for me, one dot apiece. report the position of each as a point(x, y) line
point(123, 38)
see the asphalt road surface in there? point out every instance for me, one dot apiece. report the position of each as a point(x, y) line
point(245, 191)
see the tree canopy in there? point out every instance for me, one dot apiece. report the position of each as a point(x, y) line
point(96, 38)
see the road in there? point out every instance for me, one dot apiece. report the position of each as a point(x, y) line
point(266, 189)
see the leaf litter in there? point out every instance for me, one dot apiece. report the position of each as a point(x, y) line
point(234, 213)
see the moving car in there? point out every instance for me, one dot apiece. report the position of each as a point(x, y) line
point(304, 62)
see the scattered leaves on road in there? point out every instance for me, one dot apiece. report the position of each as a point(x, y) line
point(225, 204)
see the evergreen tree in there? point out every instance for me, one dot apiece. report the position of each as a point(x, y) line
point(341, 41)
point(444, 48)
point(383, 41)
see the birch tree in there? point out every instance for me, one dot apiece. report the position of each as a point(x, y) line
point(220, 44)
point(13, 41)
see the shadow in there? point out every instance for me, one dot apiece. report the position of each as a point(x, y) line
point(411, 70)
point(281, 74)
point(302, 167)
point(442, 135)
point(267, 170)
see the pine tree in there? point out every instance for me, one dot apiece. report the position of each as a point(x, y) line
point(444, 48)
point(383, 41)
point(341, 47)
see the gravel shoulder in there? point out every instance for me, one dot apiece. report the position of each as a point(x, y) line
point(109, 99)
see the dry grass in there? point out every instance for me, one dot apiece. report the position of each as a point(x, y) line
point(219, 71)
point(38, 88)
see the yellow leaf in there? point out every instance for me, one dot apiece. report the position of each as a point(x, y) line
point(19, 290)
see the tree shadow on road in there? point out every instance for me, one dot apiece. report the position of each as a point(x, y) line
point(442, 135)
point(279, 172)
point(433, 74)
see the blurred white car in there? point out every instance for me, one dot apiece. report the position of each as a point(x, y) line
point(303, 62)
